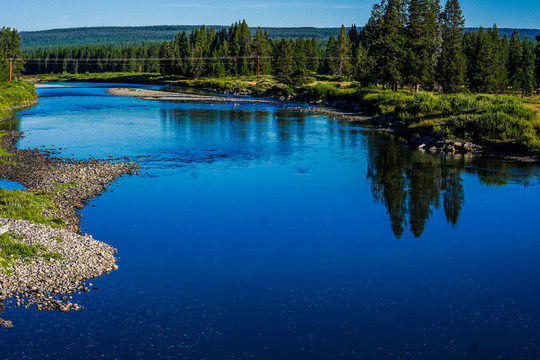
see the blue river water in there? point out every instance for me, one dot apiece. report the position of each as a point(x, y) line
point(261, 232)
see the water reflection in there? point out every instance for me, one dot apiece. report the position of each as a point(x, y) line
point(411, 184)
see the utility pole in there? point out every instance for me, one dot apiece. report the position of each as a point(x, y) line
point(10, 69)
point(258, 57)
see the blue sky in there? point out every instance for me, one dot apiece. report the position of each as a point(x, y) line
point(51, 14)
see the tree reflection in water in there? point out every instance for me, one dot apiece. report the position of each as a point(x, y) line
point(410, 184)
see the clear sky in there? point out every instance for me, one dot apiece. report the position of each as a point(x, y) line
point(51, 14)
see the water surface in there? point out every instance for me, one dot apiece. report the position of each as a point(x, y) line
point(259, 232)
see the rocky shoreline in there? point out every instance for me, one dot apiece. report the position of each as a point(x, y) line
point(42, 281)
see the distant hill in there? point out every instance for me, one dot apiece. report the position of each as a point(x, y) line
point(145, 35)
point(137, 35)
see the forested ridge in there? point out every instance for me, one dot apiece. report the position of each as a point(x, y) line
point(416, 43)
point(123, 36)
point(137, 35)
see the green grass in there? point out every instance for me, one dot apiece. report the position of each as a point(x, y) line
point(15, 94)
point(12, 250)
point(33, 206)
point(21, 204)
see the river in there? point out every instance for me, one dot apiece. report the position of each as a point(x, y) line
point(260, 232)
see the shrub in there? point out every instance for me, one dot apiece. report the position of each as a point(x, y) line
point(492, 127)
point(461, 103)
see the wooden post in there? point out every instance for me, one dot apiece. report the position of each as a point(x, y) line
point(10, 69)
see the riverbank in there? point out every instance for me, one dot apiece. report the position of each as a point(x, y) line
point(15, 96)
point(159, 95)
point(43, 256)
point(422, 138)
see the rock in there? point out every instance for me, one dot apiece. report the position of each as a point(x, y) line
point(4, 229)
point(415, 140)
point(6, 323)
point(468, 146)
point(433, 149)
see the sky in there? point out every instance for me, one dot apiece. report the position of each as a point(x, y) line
point(27, 15)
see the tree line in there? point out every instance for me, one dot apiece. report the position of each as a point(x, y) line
point(405, 43)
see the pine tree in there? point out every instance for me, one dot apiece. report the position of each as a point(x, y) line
point(283, 62)
point(344, 53)
point(515, 55)
point(354, 37)
point(262, 48)
point(421, 40)
point(165, 62)
point(483, 77)
point(386, 34)
point(244, 38)
point(527, 70)
point(312, 55)
point(331, 54)
point(452, 66)
point(361, 65)
point(501, 72)
point(10, 48)
point(300, 67)
point(537, 61)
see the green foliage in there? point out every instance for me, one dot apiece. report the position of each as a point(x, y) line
point(15, 94)
point(404, 44)
point(452, 63)
point(461, 103)
point(21, 204)
point(491, 126)
point(10, 48)
point(11, 250)
point(485, 118)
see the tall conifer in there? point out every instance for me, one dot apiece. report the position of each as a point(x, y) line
point(421, 40)
point(515, 54)
point(452, 66)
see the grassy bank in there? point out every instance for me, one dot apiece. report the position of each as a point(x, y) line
point(32, 206)
point(14, 95)
point(485, 119)
point(11, 250)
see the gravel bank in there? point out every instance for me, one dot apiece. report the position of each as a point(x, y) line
point(40, 169)
point(185, 97)
point(182, 97)
point(42, 281)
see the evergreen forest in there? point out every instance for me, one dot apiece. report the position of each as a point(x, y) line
point(414, 44)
